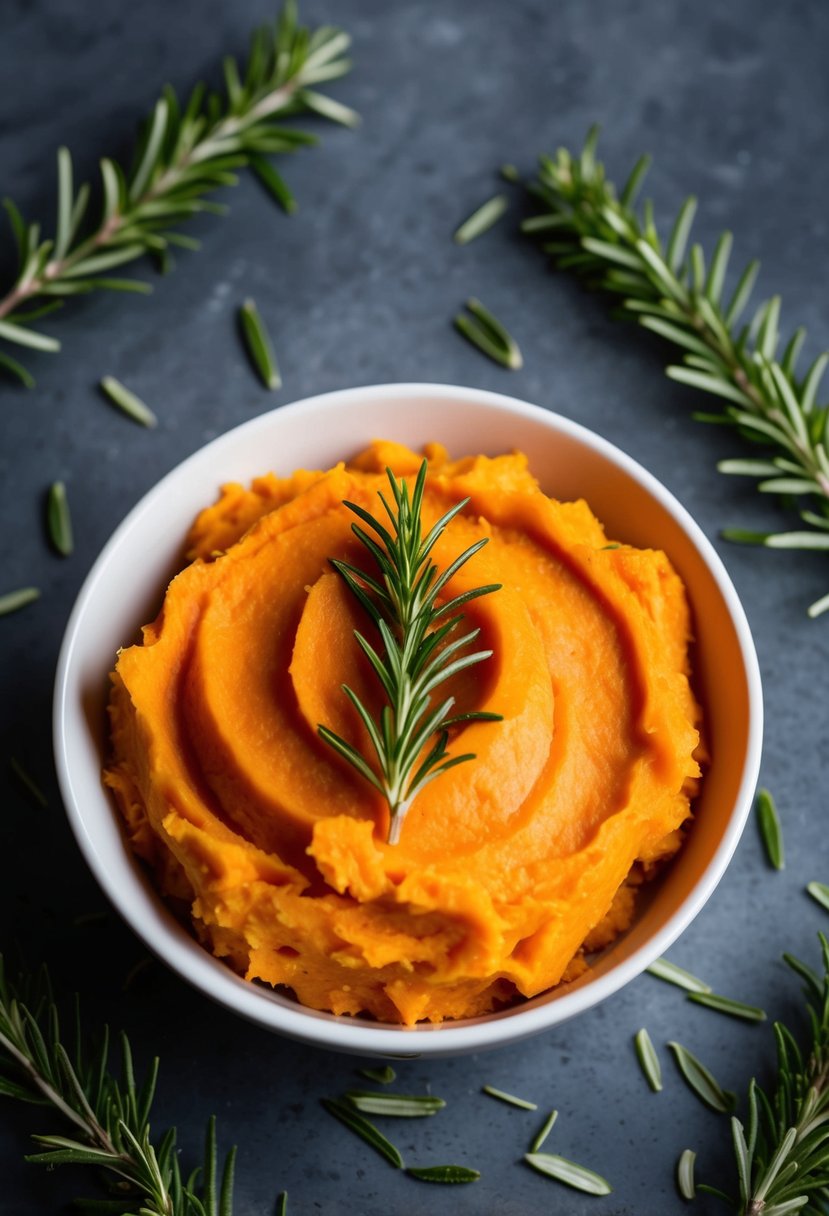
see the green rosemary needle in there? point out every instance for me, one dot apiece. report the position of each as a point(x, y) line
point(383, 1076)
point(648, 1059)
point(672, 974)
point(127, 402)
point(418, 651)
point(701, 1081)
point(510, 1099)
point(259, 345)
point(452, 1174)
point(274, 183)
point(770, 829)
point(398, 1106)
point(186, 151)
point(665, 284)
point(819, 891)
point(486, 332)
point(13, 601)
point(725, 1004)
point(576, 1176)
point(685, 1173)
point(58, 519)
point(366, 1130)
point(28, 783)
point(544, 1131)
point(481, 220)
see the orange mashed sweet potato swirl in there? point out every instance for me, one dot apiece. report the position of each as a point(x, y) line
point(509, 865)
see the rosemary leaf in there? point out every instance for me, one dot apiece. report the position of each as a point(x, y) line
point(510, 174)
point(820, 892)
point(259, 345)
point(274, 183)
point(510, 1099)
point(58, 519)
point(648, 1059)
point(28, 782)
point(365, 1130)
point(383, 1076)
point(770, 829)
point(724, 1004)
point(700, 1080)
point(487, 333)
point(443, 1173)
point(544, 1131)
point(127, 402)
point(282, 1204)
point(685, 1174)
point(13, 601)
point(481, 220)
point(572, 1175)
point(663, 970)
point(399, 1106)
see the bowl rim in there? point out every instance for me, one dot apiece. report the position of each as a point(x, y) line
point(193, 963)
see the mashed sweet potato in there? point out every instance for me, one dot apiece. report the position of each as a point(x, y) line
point(508, 866)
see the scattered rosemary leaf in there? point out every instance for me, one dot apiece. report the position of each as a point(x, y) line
point(544, 1132)
point(383, 1076)
point(509, 1098)
point(685, 1173)
point(12, 601)
point(259, 345)
point(487, 333)
point(135, 971)
point(663, 970)
point(648, 1059)
point(770, 829)
point(820, 892)
point(28, 783)
point(575, 1176)
point(510, 173)
point(443, 1173)
point(700, 1080)
point(365, 1130)
point(724, 1004)
point(481, 221)
point(127, 402)
point(282, 1204)
point(58, 519)
point(398, 1106)
point(273, 182)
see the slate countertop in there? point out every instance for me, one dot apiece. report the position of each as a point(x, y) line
point(360, 287)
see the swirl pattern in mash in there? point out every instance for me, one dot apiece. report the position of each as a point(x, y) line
point(508, 867)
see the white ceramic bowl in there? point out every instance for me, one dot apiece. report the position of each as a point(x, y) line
point(126, 584)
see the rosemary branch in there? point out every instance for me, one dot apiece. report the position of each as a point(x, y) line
point(667, 287)
point(783, 1158)
point(182, 155)
point(108, 1117)
point(418, 654)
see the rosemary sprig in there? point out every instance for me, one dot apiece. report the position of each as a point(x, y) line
point(108, 1118)
point(670, 290)
point(782, 1156)
point(418, 652)
point(184, 153)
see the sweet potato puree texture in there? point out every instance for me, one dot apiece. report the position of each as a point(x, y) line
point(510, 866)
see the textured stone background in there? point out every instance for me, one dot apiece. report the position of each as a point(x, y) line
point(359, 287)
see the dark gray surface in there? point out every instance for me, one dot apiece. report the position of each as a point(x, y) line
point(359, 287)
